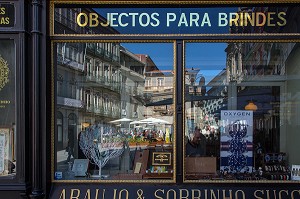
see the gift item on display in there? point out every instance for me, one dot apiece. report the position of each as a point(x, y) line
point(295, 172)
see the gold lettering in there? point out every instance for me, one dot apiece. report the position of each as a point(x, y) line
point(2, 11)
point(63, 194)
point(287, 193)
point(292, 194)
point(213, 195)
point(105, 24)
point(256, 196)
point(230, 194)
point(258, 22)
point(2, 20)
point(126, 192)
point(270, 19)
point(7, 20)
point(73, 193)
point(78, 19)
point(198, 193)
point(249, 18)
point(280, 16)
point(241, 19)
point(235, 20)
point(87, 194)
point(181, 195)
point(237, 194)
point(174, 193)
point(94, 18)
point(160, 190)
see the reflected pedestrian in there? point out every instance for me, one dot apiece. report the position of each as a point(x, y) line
point(196, 145)
point(70, 149)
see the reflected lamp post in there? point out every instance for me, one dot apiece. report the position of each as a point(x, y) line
point(191, 76)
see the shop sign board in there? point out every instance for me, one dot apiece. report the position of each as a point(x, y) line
point(110, 191)
point(98, 20)
point(7, 15)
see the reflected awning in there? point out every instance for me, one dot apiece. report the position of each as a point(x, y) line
point(188, 98)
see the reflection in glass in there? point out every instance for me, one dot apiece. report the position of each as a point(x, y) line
point(114, 108)
point(241, 111)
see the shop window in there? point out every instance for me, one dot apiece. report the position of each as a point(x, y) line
point(243, 126)
point(118, 134)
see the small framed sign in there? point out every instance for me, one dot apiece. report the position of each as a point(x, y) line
point(80, 167)
point(161, 158)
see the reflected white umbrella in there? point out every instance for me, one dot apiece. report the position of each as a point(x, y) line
point(160, 121)
point(148, 120)
point(121, 120)
point(138, 122)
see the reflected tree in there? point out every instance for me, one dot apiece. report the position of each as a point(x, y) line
point(99, 144)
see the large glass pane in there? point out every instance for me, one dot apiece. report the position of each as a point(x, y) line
point(8, 109)
point(114, 111)
point(241, 111)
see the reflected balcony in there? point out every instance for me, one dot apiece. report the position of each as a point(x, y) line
point(107, 112)
point(66, 62)
point(99, 51)
point(102, 53)
point(102, 82)
point(75, 103)
point(98, 110)
point(89, 108)
point(104, 112)
point(116, 113)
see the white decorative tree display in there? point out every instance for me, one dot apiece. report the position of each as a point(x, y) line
point(100, 144)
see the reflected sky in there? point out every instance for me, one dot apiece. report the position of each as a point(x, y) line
point(160, 53)
point(210, 58)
